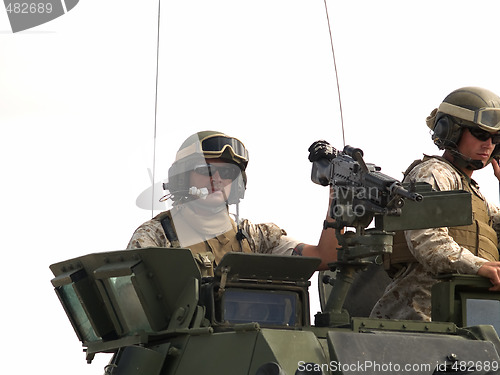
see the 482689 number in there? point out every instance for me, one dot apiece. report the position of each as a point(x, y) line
point(29, 8)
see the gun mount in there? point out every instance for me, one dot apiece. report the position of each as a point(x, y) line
point(361, 195)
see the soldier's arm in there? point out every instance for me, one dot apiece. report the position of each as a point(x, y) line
point(326, 249)
point(149, 234)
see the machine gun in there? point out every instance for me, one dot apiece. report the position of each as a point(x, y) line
point(360, 190)
point(361, 193)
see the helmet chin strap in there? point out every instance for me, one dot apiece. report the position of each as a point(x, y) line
point(462, 161)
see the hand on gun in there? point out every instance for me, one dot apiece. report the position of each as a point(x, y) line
point(321, 150)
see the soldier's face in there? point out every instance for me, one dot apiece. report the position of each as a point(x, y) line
point(474, 148)
point(215, 179)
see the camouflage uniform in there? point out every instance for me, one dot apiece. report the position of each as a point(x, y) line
point(259, 238)
point(408, 296)
point(263, 238)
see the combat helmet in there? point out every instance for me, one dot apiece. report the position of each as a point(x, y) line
point(194, 151)
point(467, 107)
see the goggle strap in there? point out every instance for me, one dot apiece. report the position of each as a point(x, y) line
point(189, 150)
point(460, 112)
point(468, 115)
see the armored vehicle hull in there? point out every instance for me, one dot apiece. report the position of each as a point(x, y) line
point(153, 310)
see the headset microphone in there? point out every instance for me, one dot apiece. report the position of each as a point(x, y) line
point(193, 190)
point(200, 193)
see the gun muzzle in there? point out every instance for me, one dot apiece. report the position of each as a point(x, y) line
point(396, 188)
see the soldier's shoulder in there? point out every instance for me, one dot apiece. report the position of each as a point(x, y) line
point(432, 165)
point(435, 171)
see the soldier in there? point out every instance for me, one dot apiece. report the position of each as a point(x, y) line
point(206, 177)
point(466, 125)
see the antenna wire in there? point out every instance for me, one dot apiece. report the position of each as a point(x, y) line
point(336, 73)
point(156, 112)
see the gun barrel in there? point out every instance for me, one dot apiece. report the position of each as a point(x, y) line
point(396, 188)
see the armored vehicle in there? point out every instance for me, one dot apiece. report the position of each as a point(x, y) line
point(154, 311)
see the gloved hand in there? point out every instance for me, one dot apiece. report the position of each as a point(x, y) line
point(321, 150)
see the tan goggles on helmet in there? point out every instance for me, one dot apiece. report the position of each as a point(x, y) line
point(215, 145)
point(487, 118)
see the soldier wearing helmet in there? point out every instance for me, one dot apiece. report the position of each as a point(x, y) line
point(466, 126)
point(206, 177)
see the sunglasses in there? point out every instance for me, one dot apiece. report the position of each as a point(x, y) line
point(483, 135)
point(226, 171)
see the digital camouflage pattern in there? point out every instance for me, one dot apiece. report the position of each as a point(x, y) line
point(265, 238)
point(408, 296)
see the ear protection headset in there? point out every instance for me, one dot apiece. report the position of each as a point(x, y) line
point(446, 132)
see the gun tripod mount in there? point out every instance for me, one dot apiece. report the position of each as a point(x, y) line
point(357, 251)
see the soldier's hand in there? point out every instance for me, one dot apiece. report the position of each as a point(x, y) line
point(321, 150)
point(491, 270)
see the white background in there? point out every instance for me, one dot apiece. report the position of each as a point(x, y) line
point(77, 120)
